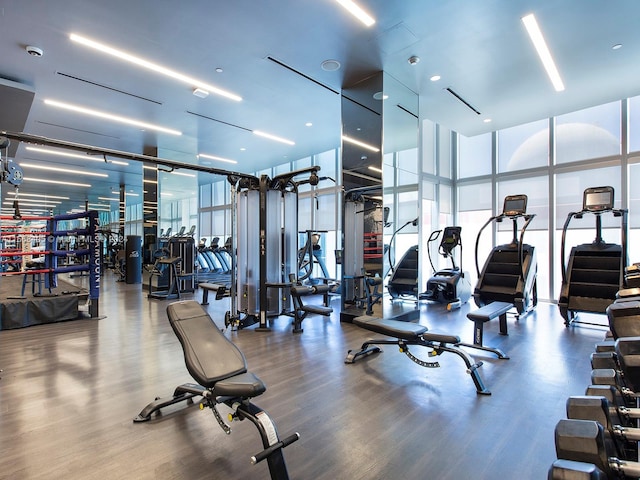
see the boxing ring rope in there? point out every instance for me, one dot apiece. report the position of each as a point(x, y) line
point(52, 254)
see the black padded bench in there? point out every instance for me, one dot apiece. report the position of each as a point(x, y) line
point(407, 333)
point(220, 369)
point(483, 315)
point(220, 290)
point(301, 310)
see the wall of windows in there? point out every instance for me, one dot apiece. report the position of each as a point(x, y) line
point(590, 150)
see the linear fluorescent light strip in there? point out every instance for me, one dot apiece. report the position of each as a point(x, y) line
point(540, 45)
point(44, 180)
point(152, 66)
point(353, 141)
point(74, 155)
point(41, 195)
point(273, 137)
point(357, 12)
point(219, 159)
point(110, 116)
point(109, 199)
point(62, 170)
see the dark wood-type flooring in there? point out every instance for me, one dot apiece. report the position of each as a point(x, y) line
point(70, 390)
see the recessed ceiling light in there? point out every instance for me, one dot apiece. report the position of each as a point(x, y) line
point(219, 70)
point(617, 46)
point(74, 155)
point(540, 45)
point(435, 78)
point(200, 92)
point(214, 157)
point(109, 116)
point(62, 170)
point(152, 66)
point(380, 96)
point(43, 195)
point(487, 120)
point(45, 180)
point(308, 124)
point(330, 65)
point(353, 141)
point(357, 12)
point(273, 137)
point(242, 149)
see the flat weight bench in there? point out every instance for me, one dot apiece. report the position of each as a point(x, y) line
point(301, 310)
point(407, 333)
point(212, 287)
point(220, 369)
point(483, 315)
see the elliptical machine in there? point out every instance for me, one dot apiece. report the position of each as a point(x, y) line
point(509, 274)
point(449, 285)
point(595, 271)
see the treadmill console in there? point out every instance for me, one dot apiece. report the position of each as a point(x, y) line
point(514, 205)
point(597, 199)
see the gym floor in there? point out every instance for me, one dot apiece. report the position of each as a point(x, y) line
point(70, 390)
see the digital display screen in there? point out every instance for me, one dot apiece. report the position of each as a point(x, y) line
point(598, 200)
point(515, 206)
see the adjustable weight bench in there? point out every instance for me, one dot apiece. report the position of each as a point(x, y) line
point(407, 333)
point(220, 369)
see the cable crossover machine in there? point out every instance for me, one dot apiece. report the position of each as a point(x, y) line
point(509, 273)
point(594, 271)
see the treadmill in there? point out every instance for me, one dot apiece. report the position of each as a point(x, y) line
point(594, 271)
point(509, 273)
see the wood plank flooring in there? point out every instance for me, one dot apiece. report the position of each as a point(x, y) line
point(70, 390)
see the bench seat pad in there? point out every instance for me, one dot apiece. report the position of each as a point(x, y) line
point(490, 311)
point(212, 360)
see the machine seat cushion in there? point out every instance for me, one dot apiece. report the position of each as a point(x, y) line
point(243, 385)
point(490, 311)
point(317, 309)
point(211, 286)
point(209, 356)
point(393, 328)
point(403, 330)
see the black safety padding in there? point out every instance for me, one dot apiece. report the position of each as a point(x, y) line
point(321, 289)
point(628, 352)
point(393, 328)
point(301, 291)
point(209, 355)
point(624, 318)
point(581, 441)
point(570, 470)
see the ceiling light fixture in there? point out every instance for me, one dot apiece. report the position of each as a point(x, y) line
point(43, 195)
point(109, 199)
point(273, 137)
point(45, 180)
point(353, 141)
point(33, 202)
point(435, 78)
point(357, 12)
point(219, 159)
point(74, 155)
point(200, 92)
point(192, 175)
point(330, 65)
point(62, 170)
point(152, 66)
point(109, 116)
point(617, 46)
point(540, 45)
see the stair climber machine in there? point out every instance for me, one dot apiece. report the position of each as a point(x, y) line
point(403, 283)
point(509, 273)
point(594, 271)
point(450, 286)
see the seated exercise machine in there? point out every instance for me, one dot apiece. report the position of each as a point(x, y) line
point(220, 370)
point(594, 272)
point(301, 310)
point(509, 273)
point(408, 333)
point(449, 285)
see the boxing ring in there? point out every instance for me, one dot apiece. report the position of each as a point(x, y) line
point(30, 291)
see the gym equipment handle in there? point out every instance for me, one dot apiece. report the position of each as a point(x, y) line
point(258, 457)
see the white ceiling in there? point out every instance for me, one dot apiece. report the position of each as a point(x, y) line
point(271, 54)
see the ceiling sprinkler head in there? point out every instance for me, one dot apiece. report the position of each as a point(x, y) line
point(34, 51)
point(414, 59)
